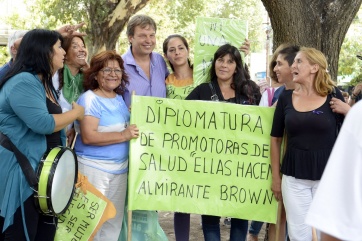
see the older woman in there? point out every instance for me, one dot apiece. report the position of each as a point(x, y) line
point(28, 112)
point(68, 81)
point(310, 124)
point(229, 82)
point(102, 146)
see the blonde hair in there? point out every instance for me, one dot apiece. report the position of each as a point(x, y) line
point(323, 83)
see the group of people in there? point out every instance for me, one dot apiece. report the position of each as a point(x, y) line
point(49, 87)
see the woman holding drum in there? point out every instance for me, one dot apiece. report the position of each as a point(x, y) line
point(102, 143)
point(25, 120)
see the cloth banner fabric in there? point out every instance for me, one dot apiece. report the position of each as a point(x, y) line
point(201, 157)
point(211, 33)
point(88, 210)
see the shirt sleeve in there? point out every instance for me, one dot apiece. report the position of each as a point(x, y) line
point(91, 105)
point(264, 99)
point(195, 94)
point(337, 206)
point(28, 101)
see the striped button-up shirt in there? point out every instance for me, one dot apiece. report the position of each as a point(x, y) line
point(138, 80)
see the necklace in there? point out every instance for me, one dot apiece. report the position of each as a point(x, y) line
point(116, 104)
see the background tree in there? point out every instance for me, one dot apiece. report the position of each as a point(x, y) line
point(179, 16)
point(105, 19)
point(320, 24)
point(349, 66)
point(313, 23)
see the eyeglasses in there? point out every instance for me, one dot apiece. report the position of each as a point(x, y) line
point(109, 71)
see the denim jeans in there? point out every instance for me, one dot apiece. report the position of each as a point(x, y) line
point(255, 227)
point(211, 228)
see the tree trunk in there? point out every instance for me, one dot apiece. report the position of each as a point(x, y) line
point(107, 20)
point(313, 23)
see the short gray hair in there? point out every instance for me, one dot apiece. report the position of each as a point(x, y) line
point(13, 37)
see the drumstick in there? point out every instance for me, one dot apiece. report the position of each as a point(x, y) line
point(73, 143)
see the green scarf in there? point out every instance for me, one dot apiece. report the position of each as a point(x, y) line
point(73, 85)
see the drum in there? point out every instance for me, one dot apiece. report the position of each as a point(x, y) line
point(57, 174)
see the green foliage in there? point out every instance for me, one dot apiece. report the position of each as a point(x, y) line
point(4, 55)
point(349, 64)
point(179, 16)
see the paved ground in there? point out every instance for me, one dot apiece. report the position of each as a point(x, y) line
point(166, 222)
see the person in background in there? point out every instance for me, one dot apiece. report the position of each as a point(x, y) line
point(180, 82)
point(15, 40)
point(146, 69)
point(13, 45)
point(68, 81)
point(231, 83)
point(356, 94)
point(25, 92)
point(310, 125)
point(103, 142)
point(336, 209)
point(345, 96)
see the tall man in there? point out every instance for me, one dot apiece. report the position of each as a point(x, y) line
point(146, 69)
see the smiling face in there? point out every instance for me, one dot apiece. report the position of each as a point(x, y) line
point(225, 68)
point(76, 53)
point(282, 70)
point(109, 77)
point(177, 52)
point(302, 70)
point(143, 40)
point(58, 57)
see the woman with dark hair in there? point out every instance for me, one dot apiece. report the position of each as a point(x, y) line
point(68, 81)
point(31, 118)
point(180, 82)
point(102, 143)
point(229, 82)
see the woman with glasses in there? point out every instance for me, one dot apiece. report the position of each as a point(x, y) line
point(104, 133)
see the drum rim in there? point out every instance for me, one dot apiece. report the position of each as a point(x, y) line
point(47, 208)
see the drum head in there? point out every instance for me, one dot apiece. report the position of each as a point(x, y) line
point(63, 181)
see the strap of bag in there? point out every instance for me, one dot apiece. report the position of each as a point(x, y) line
point(214, 96)
point(24, 163)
